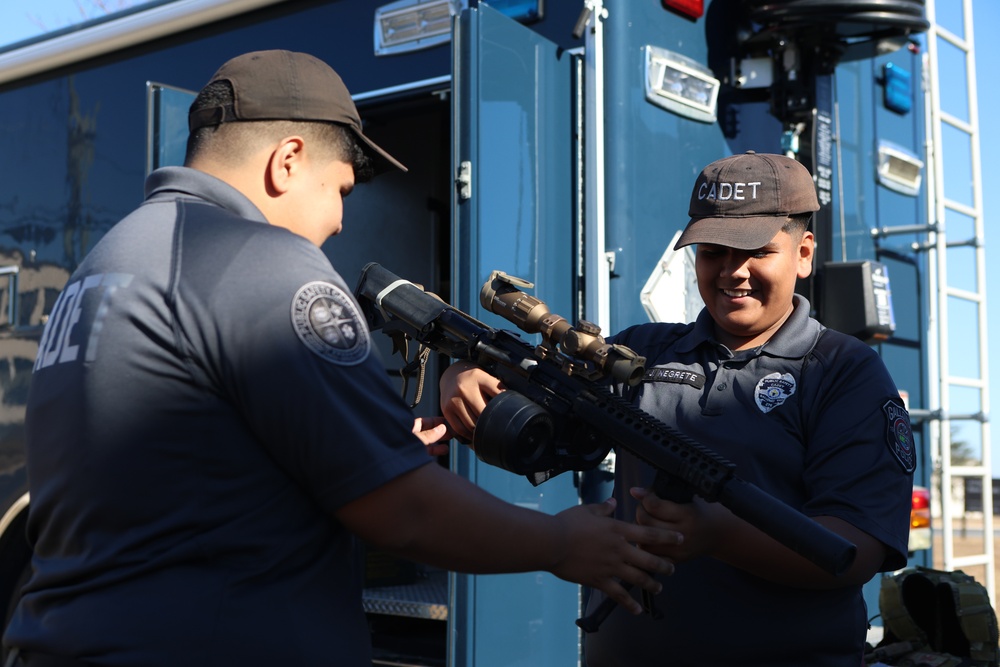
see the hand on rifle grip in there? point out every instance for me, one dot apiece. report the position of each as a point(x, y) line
point(666, 487)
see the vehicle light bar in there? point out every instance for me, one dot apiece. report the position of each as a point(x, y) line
point(681, 85)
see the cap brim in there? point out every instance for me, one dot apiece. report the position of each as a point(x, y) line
point(381, 160)
point(744, 233)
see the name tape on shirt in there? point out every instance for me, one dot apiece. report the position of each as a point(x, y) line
point(898, 434)
point(327, 320)
point(675, 375)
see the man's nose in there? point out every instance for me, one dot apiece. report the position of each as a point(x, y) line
point(736, 265)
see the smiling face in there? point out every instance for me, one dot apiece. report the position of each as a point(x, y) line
point(749, 292)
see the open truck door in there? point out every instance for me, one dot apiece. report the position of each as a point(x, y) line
point(515, 157)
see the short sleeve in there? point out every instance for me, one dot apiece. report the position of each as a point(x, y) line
point(276, 331)
point(860, 453)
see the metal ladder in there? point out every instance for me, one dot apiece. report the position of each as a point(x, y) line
point(957, 314)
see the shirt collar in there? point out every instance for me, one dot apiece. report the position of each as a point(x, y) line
point(798, 335)
point(168, 182)
point(793, 340)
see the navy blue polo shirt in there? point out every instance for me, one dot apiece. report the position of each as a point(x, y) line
point(205, 397)
point(816, 422)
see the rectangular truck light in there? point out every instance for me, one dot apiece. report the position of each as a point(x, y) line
point(411, 25)
point(681, 85)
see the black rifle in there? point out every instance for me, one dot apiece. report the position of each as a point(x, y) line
point(556, 413)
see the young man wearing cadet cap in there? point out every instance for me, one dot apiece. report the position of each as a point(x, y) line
point(808, 414)
point(210, 430)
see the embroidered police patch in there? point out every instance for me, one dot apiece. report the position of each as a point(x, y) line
point(327, 320)
point(898, 435)
point(772, 390)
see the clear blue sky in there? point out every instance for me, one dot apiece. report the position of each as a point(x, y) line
point(22, 20)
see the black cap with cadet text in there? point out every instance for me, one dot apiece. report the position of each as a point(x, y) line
point(286, 85)
point(743, 201)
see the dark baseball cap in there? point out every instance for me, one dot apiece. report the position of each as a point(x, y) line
point(743, 201)
point(286, 85)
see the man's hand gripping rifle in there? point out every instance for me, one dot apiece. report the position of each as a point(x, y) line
point(556, 413)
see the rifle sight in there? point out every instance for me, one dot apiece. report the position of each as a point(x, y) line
point(583, 342)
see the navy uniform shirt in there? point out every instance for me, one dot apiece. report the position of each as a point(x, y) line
point(819, 426)
point(205, 397)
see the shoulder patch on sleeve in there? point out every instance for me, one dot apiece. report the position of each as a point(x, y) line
point(898, 434)
point(327, 320)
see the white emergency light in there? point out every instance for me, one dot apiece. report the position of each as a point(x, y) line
point(899, 169)
point(681, 85)
point(411, 25)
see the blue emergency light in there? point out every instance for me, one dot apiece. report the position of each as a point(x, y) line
point(898, 89)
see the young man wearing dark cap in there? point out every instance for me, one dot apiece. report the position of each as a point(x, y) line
point(808, 414)
point(210, 431)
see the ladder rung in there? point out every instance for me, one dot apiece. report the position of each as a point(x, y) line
point(958, 563)
point(959, 207)
point(969, 471)
point(964, 295)
point(952, 38)
point(957, 123)
point(972, 383)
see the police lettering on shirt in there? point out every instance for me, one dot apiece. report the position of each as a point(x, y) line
point(727, 191)
point(64, 331)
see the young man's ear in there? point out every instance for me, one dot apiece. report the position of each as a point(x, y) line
point(285, 159)
point(807, 250)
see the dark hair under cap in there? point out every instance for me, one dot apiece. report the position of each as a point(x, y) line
point(743, 201)
point(286, 85)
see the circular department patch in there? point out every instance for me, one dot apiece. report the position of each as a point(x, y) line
point(898, 435)
point(327, 320)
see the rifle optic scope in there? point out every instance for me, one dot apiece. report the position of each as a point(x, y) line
point(500, 295)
